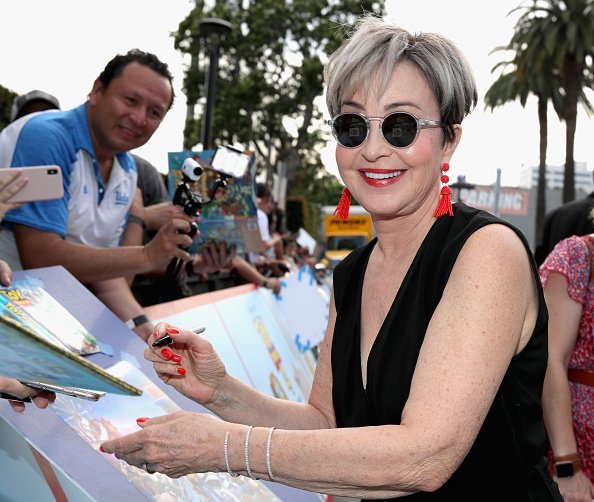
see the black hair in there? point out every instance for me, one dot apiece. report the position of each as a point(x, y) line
point(262, 191)
point(115, 67)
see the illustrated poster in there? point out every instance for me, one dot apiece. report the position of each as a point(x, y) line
point(228, 213)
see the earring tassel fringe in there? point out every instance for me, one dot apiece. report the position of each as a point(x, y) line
point(344, 205)
point(445, 203)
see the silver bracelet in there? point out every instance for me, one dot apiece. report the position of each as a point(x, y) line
point(268, 443)
point(226, 450)
point(247, 452)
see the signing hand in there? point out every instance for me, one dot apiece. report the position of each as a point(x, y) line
point(190, 365)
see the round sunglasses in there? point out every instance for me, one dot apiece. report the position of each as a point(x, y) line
point(399, 129)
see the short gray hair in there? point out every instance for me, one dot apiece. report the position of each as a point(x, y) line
point(375, 47)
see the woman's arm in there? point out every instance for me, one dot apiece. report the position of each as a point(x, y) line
point(564, 320)
point(564, 324)
point(486, 315)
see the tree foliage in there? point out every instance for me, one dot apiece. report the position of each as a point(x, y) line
point(556, 37)
point(270, 78)
point(6, 98)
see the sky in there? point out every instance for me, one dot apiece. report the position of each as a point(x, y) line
point(61, 46)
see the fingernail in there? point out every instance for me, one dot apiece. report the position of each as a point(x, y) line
point(176, 358)
point(101, 449)
point(142, 419)
point(181, 371)
point(166, 353)
point(173, 331)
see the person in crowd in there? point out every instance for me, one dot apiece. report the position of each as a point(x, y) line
point(11, 183)
point(271, 260)
point(430, 373)
point(567, 275)
point(155, 210)
point(91, 143)
point(564, 221)
point(31, 102)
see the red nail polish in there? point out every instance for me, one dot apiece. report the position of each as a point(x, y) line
point(173, 331)
point(176, 358)
point(142, 419)
point(101, 449)
point(181, 371)
point(166, 353)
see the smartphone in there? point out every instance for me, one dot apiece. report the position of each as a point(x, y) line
point(44, 183)
point(91, 395)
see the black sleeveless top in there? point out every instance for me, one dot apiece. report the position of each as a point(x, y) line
point(506, 461)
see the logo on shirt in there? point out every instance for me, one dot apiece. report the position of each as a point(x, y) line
point(121, 198)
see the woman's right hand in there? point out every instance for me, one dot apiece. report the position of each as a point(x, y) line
point(6, 191)
point(190, 365)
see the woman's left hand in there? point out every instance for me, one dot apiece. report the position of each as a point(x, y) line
point(176, 445)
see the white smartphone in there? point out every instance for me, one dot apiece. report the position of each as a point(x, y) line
point(44, 183)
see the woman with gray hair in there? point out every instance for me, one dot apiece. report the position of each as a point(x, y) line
point(430, 374)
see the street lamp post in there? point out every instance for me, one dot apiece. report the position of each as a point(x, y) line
point(459, 185)
point(212, 29)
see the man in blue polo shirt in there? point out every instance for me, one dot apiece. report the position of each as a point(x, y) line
point(90, 143)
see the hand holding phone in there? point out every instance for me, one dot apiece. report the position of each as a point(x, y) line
point(43, 183)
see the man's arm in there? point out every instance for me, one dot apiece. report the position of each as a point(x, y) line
point(90, 264)
point(117, 296)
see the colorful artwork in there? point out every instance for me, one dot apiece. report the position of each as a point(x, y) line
point(44, 343)
point(252, 338)
point(302, 293)
point(28, 356)
point(228, 213)
point(115, 416)
point(29, 304)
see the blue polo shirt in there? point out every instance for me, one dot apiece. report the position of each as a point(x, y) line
point(91, 212)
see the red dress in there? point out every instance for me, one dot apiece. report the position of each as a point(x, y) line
point(571, 258)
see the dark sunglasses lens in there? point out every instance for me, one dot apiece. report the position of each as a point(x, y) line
point(399, 129)
point(350, 129)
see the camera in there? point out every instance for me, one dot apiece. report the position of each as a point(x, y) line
point(184, 196)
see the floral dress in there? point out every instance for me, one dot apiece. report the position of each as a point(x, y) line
point(571, 258)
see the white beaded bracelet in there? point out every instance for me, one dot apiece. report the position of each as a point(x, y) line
point(268, 443)
point(226, 450)
point(247, 453)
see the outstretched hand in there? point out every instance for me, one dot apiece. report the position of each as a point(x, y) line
point(190, 365)
point(175, 445)
point(41, 398)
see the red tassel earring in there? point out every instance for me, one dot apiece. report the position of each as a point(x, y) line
point(344, 205)
point(445, 202)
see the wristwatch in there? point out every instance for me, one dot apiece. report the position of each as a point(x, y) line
point(137, 321)
point(567, 465)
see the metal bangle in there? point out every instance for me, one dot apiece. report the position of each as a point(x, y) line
point(247, 453)
point(268, 444)
point(226, 450)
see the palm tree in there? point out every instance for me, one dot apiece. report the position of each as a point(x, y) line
point(530, 72)
point(561, 32)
